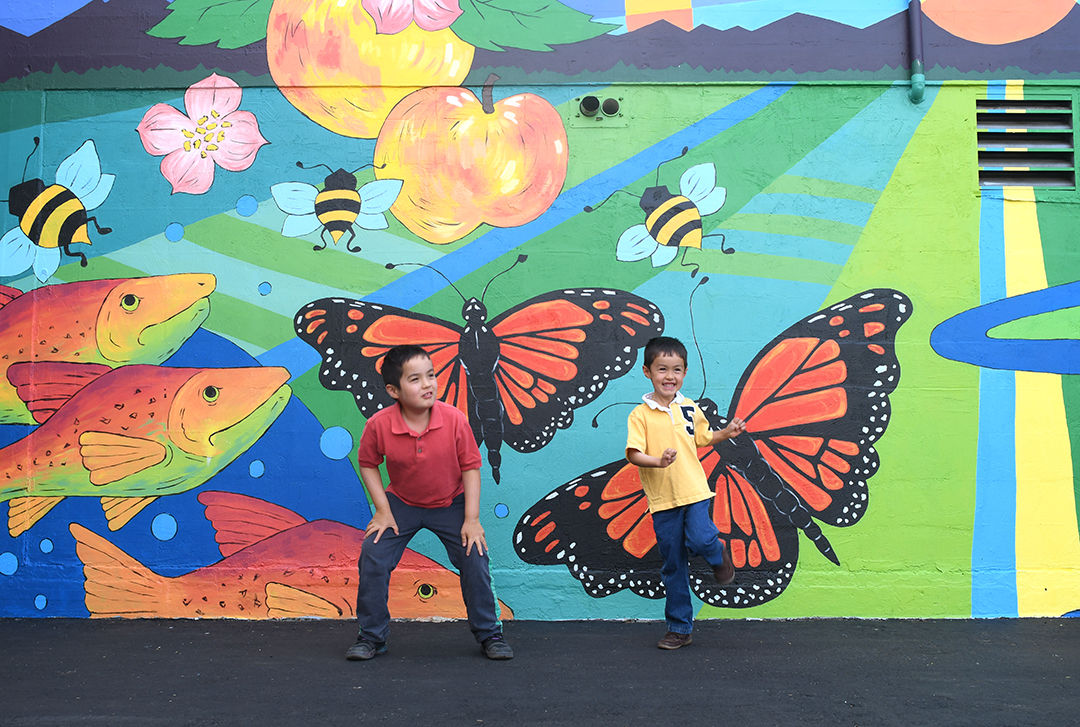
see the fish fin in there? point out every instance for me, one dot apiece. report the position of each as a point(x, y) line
point(8, 294)
point(240, 520)
point(112, 457)
point(120, 510)
point(287, 602)
point(45, 387)
point(23, 512)
point(117, 584)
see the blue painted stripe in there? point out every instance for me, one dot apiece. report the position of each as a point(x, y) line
point(996, 90)
point(770, 243)
point(850, 211)
point(993, 548)
point(294, 354)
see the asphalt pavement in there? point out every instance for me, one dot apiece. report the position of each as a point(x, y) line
point(59, 672)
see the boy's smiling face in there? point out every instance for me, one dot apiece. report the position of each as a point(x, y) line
point(666, 372)
point(418, 387)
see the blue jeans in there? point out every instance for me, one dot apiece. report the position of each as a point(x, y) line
point(377, 560)
point(683, 532)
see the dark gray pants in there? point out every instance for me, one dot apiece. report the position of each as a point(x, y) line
point(377, 560)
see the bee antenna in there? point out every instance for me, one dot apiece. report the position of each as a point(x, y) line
point(520, 259)
point(37, 143)
point(376, 166)
point(391, 266)
point(595, 425)
point(315, 166)
point(693, 334)
point(681, 155)
point(591, 209)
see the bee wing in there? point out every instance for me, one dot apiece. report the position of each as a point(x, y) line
point(96, 196)
point(663, 255)
point(372, 222)
point(46, 262)
point(295, 198)
point(300, 225)
point(81, 172)
point(16, 253)
point(635, 244)
point(698, 184)
point(376, 197)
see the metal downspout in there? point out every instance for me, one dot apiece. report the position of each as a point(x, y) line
point(918, 77)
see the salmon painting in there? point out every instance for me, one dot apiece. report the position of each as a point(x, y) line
point(130, 435)
point(109, 322)
point(275, 564)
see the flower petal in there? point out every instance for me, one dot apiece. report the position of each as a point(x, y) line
point(390, 16)
point(236, 152)
point(16, 253)
point(188, 171)
point(46, 262)
point(435, 14)
point(213, 93)
point(162, 129)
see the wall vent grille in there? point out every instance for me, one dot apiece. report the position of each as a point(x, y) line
point(1026, 143)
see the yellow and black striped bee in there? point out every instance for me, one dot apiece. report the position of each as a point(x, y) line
point(672, 220)
point(338, 208)
point(53, 217)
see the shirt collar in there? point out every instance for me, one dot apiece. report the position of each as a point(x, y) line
point(398, 425)
point(655, 405)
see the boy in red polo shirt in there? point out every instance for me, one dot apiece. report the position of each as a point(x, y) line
point(434, 468)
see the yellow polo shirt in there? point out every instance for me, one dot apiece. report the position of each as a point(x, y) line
point(651, 429)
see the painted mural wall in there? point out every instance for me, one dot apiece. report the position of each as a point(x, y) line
point(220, 215)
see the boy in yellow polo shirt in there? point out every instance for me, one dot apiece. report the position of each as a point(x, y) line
point(663, 435)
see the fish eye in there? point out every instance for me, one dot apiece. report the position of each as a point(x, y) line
point(129, 302)
point(426, 591)
point(211, 393)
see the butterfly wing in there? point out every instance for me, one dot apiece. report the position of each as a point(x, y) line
point(817, 398)
point(558, 351)
point(353, 336)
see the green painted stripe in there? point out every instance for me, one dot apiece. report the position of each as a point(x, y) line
point(773, 267)
point(792, 184)
point(256, 245)
point(797, 225)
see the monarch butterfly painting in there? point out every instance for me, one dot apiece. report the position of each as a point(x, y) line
point(815, 400)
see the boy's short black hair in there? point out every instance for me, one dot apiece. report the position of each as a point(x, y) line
point(664, 345)
point(394, 361)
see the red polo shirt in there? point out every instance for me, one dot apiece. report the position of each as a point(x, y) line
point(425, 469)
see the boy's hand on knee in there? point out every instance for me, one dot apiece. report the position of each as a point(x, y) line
point(381, 522)
point(472, 533)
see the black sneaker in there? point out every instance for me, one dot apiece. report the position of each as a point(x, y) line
point(495, 648)
point(363, 650)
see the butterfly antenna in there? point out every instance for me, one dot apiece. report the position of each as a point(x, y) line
point(316, 166)
point(596, 425)
point(681, 155)
point(693, 334)
point(587, 208)
point(520, 259)
point(26, 164)
point(725, 250)
point(391, 266)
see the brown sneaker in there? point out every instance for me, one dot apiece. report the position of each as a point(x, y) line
point(673, 640)
point(725, 573)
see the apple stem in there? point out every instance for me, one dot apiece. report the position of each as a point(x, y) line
point(487, 98)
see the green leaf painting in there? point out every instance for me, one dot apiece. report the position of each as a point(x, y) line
point(524, 24)
point(229, 23)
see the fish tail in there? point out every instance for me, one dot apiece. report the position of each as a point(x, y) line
point(117, 585)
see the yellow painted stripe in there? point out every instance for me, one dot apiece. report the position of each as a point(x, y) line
point(1047, 541)
point(1014, 90)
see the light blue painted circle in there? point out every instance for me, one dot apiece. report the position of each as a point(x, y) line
point(8, 564)
point(46, 546)
point(256, 469)
point(247, 205)
point(40, 602)
point(501, 510)
point(265, 288)
point(174, 232)
point(336, 442)
point(164, 526)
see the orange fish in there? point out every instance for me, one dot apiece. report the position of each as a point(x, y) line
point(275, 564)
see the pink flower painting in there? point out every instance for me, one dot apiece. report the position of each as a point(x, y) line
point(393, 16)
point(212, 133)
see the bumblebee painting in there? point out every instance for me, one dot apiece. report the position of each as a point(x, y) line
point(338, 208)
point(53, 218)
point(672, 220)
